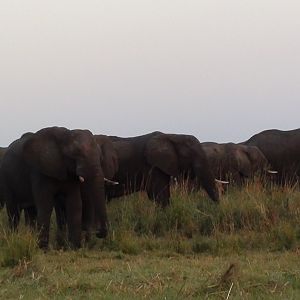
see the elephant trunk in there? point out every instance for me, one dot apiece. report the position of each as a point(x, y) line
point(95, 213)
point(205, 178)
point(101, 212)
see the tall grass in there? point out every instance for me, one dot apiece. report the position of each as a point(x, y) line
point(194, 249)
point(252, 217)
point(17, 246)
point(255, 217)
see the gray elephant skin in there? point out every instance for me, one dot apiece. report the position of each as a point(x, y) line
point(2, 151)
point(108, 157)
point(147, 163)
point(234, 162)
point(55, 167)
point(282, 150)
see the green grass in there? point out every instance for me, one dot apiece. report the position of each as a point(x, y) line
point(182, 252)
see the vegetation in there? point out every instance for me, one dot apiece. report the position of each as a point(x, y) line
point(247, 247)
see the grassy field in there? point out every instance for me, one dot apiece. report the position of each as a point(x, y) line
point(247, 247)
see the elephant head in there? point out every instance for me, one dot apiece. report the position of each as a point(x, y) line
point(71, 155)
point(215, 154)
point(63, 154)
point(244, 161)
point(176, 154)
point(108, 156)
point(235, 162)
point(248, 160)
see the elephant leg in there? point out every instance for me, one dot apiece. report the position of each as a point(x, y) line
point(12, 209)
point(158, 187)
point(61, 223)
point(74, 215)
point(30, 216)
point(44, 202)
point(44, 210)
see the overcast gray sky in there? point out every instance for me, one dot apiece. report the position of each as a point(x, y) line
point(220, 70)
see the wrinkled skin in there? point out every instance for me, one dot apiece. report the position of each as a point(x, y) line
point(234, 162)
point(147, 163)
point(42, 170)
point(281, 148)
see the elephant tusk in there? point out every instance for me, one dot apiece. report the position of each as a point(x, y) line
point(81, 179)
point(111, 181)
point(272, 172)
point(221, 181)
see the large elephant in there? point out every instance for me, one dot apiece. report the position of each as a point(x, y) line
point(55, 167)
point(234, 162)
point(282, 150)
point(147, 163)
point(109, 164)
point(2, 151)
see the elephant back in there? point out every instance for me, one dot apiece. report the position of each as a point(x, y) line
point(281, 149)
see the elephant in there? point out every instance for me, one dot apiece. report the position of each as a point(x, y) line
point(30, 212)
point(147, 162)
point(234, 162)
point(2, 151)
point(55, 167)
point(282, 150)
point(109, 164)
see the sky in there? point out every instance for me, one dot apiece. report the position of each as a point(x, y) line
point(219, 70)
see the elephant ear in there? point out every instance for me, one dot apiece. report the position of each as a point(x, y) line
point(256, 157)
point(243, 161)
point(109, 160)
point(44, 155)
point(160, 152)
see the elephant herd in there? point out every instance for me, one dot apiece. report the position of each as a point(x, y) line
point(75, 172)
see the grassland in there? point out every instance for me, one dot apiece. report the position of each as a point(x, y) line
point(247, 247)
